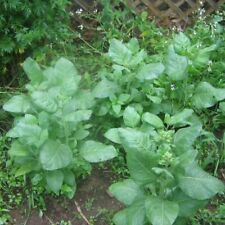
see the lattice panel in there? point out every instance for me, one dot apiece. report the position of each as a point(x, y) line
point(170, 11)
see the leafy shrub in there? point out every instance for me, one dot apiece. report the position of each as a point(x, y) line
point(50, 127)
point(27, 25)
point(159, 84)
point(155, 105)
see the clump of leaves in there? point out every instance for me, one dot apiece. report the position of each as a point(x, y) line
point(167, 186)
point(161, 105)
point(50, 127)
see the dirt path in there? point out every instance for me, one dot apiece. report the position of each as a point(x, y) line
point(91, 197)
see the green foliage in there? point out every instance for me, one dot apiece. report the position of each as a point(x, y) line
point(50, 128)
point(26, 26)
point(167, 183)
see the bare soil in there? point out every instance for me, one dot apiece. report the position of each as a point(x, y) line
point(91, 197)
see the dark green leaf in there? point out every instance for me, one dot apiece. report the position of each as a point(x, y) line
point(54, 180)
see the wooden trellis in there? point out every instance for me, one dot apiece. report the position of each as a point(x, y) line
point(174, 11)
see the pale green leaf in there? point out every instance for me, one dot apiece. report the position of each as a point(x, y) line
point(198, 184)
point(180, 118)
point(150, 71)
point(140, 164)
point(18, 150)
point(78, 116)
point(44, 101)
point(131, 117)
point(160, 211)
point(181, 43)
point(206, 95)
point(133, 215)
point(176, 65)
point(33, 71)
point(119, 53)
point(93, 151)
point(126, 191)
point(153, 120)
point(187, 205)
point(54, 155)
point(113, 135)
point(105, 89)
point(134, 140)
point(18, 104)
point(184, 138)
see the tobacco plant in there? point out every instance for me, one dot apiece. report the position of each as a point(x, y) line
point(166, 185)
point(50, 128)
point(155, 83)
point(158, 125)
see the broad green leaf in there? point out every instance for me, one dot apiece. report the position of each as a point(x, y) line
point(176, 65)
point(78, 116)
point(84, 99)
point(185, 159)
point(187, 205)
point(18, 104)
point(119, 53)
point(153, 120)
point(81, 134)
point(131, 117)
point(150, 71)
point(134, 140)
point(113, 135)
point(160, 211)
point(126, 191)
point(33, 71)
point(140, 164)
point(18, 150)
point(116, 108)
point(93, 151)
point(133, 215)
point(123, 99)
point(44, 101)
point(206, 95)
point(120, 218)
point(181, 43)
point(105, 89)
point(54, 155)
point(202, 57)
point(27, 167)
point(184, 138)
point(180, 118)
point(54, 180)
point(133, 45)
point(68, 75)
point(198, 184)
point(137, 58)
point(28, 129)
